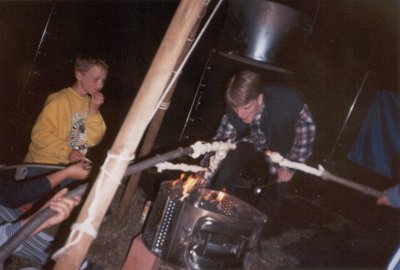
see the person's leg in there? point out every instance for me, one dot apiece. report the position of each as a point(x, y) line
point(232, 166)
point(35, 248)
point(270, 202)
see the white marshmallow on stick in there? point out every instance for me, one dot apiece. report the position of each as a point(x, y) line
point(321, 172)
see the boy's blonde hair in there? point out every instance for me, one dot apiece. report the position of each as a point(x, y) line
point(243, 87)
point(83, 63)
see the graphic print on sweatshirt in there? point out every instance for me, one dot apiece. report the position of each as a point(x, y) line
point(77, 138)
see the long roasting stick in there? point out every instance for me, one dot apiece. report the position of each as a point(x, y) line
point(322, 173)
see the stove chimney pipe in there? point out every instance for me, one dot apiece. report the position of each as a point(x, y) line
point(263, 33)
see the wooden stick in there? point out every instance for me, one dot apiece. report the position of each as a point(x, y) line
point(4, 167)
point(321, 172)
point(362, 188)
point(130, 134)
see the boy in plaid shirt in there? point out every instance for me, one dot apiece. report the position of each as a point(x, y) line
point(260, 118)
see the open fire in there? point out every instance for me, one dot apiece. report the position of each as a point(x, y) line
point(192, 227)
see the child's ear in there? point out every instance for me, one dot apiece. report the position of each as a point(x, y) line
point(78, 75)
point(260, 99)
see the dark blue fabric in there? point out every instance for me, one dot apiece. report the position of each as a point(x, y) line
point(16, 193)
point(379, 139)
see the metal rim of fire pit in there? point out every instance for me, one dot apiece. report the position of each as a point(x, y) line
point(192, 232)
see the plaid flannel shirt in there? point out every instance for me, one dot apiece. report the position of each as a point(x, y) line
point(299, 152)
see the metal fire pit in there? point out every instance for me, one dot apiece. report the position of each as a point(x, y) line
point(200, 232)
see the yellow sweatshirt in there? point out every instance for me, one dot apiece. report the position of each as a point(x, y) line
point(64, 124)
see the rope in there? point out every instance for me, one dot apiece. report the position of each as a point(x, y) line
point(164, 105)
point(87, 225)
point(179, 70)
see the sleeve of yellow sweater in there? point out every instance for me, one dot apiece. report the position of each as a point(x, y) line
point(50, 130)
point(96, 128)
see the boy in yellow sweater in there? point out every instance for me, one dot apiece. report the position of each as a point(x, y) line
point(70, 122)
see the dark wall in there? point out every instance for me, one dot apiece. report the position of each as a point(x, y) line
point(352, 41)
point(348, 39)
point(36, 62)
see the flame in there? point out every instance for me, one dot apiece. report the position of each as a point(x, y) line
point(178, 181)
point(207, 197)
point(220, 196)
point(189, 184)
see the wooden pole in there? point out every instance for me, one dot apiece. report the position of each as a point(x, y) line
point(153, 129)
point(130, 135)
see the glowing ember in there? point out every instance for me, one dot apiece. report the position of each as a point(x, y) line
point(193, 182)
point(207, 197)
point(189, 184)
point(220, 196)
point(202, 181)
point(178, 181)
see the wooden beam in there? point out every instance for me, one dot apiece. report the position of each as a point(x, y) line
point(154, 127)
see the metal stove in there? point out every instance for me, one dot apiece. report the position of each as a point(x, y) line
point(201, 231)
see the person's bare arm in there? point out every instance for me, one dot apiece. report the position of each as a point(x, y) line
point(79, 171)
point(62, 205)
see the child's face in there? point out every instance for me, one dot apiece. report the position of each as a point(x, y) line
point(92, 81)
point(249, 111)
